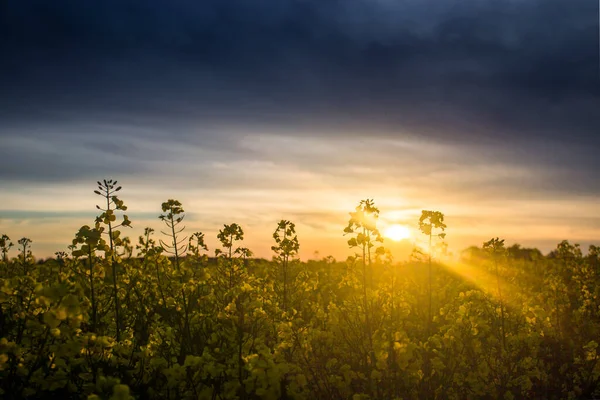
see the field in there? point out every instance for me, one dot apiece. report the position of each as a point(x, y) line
point(161, 319)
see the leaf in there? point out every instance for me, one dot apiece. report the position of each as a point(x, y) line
point(51, 320)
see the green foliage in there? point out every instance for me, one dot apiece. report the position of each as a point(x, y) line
point(172, 323)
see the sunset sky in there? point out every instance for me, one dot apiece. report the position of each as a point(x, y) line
point(251, 111)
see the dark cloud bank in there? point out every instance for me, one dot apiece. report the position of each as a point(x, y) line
point(517, 78)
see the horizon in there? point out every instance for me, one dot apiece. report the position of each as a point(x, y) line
point(334, 244)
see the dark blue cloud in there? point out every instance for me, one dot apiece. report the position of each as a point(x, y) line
point(519, 76)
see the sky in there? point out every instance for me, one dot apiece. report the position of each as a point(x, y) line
point(252, 111)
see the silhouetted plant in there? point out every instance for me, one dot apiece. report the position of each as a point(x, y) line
point(496, 248)
point(430, 221)
point(228, 236)
point(197, 244)
point(107, 189)
point(173, 217)
point(286, 247)
point(363, 224)
point(25, 256)
point(61, 258)
point(145, 242)
point(90, 240)
point(5, 246)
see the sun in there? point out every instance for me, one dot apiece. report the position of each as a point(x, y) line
point(397, 232)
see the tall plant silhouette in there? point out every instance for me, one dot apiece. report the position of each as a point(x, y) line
point(5, 246)
point(228, 236)
point(286, 248)
point(90, 241)
point(363, 225)
point(496, 248)
point(107, 189)
point(428, 223)
point(25, 256)
point(173, 217)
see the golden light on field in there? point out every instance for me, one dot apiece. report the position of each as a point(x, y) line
point(397, 232)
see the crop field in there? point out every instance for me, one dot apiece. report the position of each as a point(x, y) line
point(164, 317)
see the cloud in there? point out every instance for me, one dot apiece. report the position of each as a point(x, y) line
point(417, 65)
point(20, 215)
point(227, 105)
